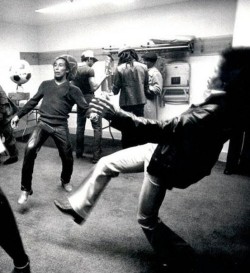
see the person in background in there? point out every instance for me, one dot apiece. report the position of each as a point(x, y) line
point(174, 153)
point(131, 80)
point(10, 239)
point(85, 80)
point(108, 70)
point(154, 87)
point(5, 128)
point(58, 97)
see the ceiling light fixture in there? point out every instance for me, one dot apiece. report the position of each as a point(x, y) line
point(78, 4)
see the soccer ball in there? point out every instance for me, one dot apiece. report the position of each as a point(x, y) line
point(20, 72)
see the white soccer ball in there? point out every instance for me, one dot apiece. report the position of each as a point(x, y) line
point(20, 72)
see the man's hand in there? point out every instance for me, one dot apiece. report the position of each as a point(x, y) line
point(103, 107)
point(93, 117)
point(14, 122)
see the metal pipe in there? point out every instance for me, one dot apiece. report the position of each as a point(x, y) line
point(115, 50)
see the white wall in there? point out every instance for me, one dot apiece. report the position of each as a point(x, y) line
point(200, 18)
point(14, 39)
point(242, 24)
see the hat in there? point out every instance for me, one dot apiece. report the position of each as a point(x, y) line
point(122, 49)
point(71, 63)
point(150, 56)
point(88, 54)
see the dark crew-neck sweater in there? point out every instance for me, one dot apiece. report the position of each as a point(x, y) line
point(57, 102)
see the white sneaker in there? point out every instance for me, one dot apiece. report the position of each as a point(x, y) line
point(24, 197)
point(67, 187)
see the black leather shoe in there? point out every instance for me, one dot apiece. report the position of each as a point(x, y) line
point(11, 160)
point(67, 209)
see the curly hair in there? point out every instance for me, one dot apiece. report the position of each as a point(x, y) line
point(233, 70)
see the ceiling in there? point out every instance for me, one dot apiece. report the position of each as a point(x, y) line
point(23, 11)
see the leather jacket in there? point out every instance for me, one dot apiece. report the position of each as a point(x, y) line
point(5, 109)
point(188, 145)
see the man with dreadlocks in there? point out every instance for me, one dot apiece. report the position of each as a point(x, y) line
point(58, 97)
point(131, 80)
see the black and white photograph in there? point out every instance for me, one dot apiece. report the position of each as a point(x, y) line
point(124, 136)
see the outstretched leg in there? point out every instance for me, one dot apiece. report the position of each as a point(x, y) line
point(129, 160)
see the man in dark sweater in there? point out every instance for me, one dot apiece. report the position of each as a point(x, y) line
point(58, 97)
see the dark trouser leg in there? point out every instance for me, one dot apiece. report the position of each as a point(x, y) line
point(127, 137)
point(10, 239)
point(169, 247)
point(234, 150)
point(80, 130)
point(244, 165)
point(34, 144)
point(10, 141)
point(97, 127)
point(62, 139)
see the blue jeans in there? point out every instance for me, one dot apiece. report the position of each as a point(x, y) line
point(130, 160)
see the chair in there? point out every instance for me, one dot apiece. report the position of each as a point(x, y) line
point(20, 98)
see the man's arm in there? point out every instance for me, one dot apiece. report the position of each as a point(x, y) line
point(155, 86)
point(94, 85)
point(30, 105)
point(145, 130)
point(117, 82)
point(77, 96)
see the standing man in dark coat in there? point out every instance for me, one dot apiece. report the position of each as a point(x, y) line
point(131, 81)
